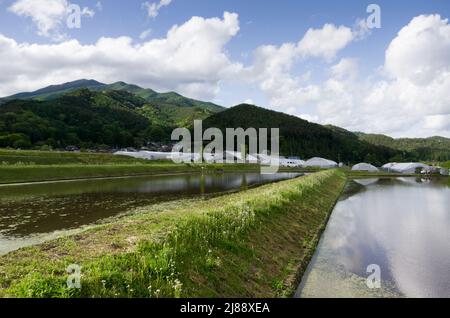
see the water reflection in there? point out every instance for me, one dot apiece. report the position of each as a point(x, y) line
point(402, 225)
point(36, 212)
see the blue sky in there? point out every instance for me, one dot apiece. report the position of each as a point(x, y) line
point(231, 74)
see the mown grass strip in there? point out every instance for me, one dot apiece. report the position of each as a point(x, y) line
point(34, 157)
point(249, 244)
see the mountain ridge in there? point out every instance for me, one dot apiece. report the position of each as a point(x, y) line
point(54, 91)
point(172, 107)
point(437, 148)
point(299, 137)
point(165, 111)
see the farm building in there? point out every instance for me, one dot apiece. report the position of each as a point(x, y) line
point(321, 163)
point(364, 167)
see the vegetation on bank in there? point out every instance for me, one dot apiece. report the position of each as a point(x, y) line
point(40, 173)
point(254, 243)
point(36, 166)
point(24, 157)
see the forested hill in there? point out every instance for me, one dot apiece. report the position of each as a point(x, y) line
point(170, 109)
point(93, 119)
point(81, 118)
point(302, 138)
point(433, 148)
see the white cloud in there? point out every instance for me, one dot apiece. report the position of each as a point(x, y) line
point(438, 122)
point(190, 59)
point(145, 34)
point(325, 42)
point(307, 117)
point(413, 100)
point(346, 68)
point(153, 8)
point(421, 51)
point(48, 15)
point(273, 64)
point(409, 98)
point(361, 30)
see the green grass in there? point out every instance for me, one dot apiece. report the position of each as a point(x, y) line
point(35, 166)
point(254, 243)
point(16, 174)
point(22, 157)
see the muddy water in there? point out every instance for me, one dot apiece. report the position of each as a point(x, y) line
point(33, 213)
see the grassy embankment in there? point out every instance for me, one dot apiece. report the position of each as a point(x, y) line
point(32, 166)
point(255, 243)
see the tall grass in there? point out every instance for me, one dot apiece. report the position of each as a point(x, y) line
point(196, 245)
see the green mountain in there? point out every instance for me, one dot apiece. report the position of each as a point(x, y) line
point(433, 148)
point(302, 138)
point(55, 91)
point(165, 108)
point(82, 118)
point(88, 114)
point(169, 107)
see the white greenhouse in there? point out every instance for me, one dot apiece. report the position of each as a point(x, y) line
point(321, 163)
point(389, 165)
point(364, 167)
point(152, 155)
point(292, 163)
point(407, 167)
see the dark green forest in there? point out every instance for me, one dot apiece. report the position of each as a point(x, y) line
point(302, 138)
point(82, 118)
point(433, 149)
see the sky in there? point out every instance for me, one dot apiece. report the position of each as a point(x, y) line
point(330, 62)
